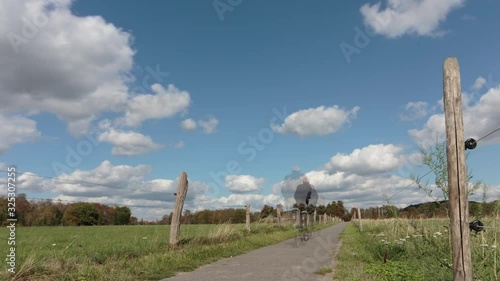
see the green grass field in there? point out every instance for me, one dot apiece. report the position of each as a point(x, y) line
point(412, 250)
point(129, 252)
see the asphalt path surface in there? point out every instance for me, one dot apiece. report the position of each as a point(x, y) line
point(282, 261)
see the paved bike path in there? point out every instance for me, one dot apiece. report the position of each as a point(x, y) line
point(282, 261)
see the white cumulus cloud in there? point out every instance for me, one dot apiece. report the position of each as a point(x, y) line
point(50, 62)
point(165, 103)
point(179, 144)
point(416, 17)
point(209, 125)
point(316, 121)
point(188, 124)
point(479, 83)
point(480, 117)
point(16, 129)
point(374, 158)
point(414, 111)
point(128, 143)
point(243, 183)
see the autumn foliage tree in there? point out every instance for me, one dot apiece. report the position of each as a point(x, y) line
point(81, 214)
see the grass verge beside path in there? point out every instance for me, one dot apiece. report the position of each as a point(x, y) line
point(411, 250)
point(131, 252)
point(366, 256)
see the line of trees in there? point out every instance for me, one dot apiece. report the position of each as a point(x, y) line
point(50, 213)
point(231, 215)
point(435, 209)
point(218, 216)
point(334, 208)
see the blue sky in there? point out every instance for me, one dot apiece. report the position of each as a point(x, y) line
point(127, 95)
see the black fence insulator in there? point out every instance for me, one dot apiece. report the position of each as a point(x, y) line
point(470, 144)
point(476, 225)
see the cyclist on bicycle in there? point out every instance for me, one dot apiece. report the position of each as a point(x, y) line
point(306, 196)
point(290, 183)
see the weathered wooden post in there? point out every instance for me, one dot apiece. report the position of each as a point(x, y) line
point(324, 218)
point(314, 216)
point(359, 220)
point(279, 209)
point(175, 225)
point(248, 218)
point(457, 176)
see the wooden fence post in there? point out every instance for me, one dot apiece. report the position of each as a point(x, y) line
point(359, 220)
point(457, 175)
point(314, 217)
point(278, 213)
point(248, 218)
point(175, 225)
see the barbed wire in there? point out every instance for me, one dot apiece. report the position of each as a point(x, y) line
point(415, 181)
point(436, 199)
point(491, 133)
point(76, 181)
point(81, 182)
point(56, 200)
point(61, 179)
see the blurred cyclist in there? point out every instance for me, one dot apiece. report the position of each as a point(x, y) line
point(306, 196)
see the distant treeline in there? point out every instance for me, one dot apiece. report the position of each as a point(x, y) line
point(436, 209)
point(335, 209)
point(55, 213)
point(49, 213)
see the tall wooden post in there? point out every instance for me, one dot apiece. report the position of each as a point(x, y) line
point(359, 220)
point(279, 209)
point(248, 218)
point(457, 176)
point(175, 225)
point(314, 217)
